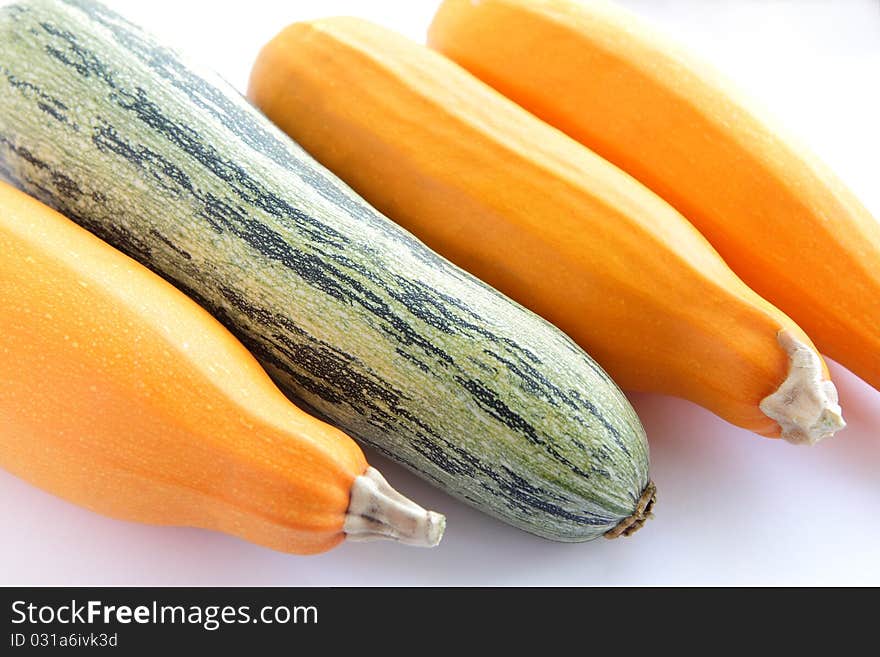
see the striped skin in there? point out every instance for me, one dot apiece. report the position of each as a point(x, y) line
point(350, 314)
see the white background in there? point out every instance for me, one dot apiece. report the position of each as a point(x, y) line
point(732, 508)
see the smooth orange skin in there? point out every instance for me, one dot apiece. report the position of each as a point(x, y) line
point(528, 210)
point(778, 216)
point(120, 394)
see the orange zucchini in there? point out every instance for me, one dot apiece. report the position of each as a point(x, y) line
point(545, 221)
point(779, 217)
point(120, 394)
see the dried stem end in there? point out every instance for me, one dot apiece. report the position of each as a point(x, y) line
point(806, 405)
point(378, 512)
point(644, 511)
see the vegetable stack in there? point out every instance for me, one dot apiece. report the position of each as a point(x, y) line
point(119, 393)
point(350, 314)
point(544, 220)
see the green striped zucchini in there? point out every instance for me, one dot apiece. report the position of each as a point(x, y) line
point(354, 318)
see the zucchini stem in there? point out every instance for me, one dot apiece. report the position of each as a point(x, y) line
point(378, 512)
point(806, 404)
point(644, 512)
